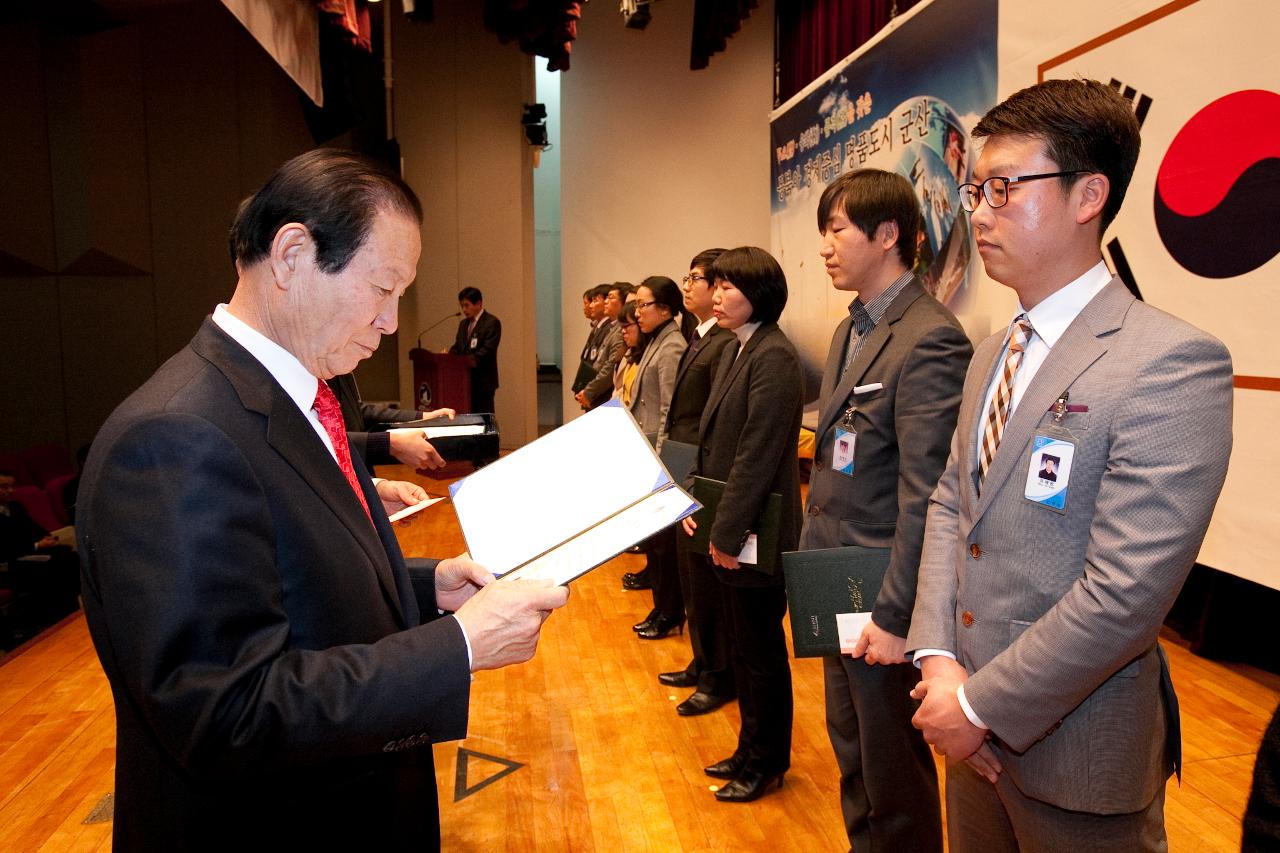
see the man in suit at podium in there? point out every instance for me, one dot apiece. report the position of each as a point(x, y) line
point(479, 334)
point(1038, 609)
point(878, 455)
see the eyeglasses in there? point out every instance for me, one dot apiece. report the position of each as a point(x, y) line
point(692, 277)
point(996, 188)
point(646, 304)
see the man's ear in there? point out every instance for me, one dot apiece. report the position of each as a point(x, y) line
point(887, 234)
point(289, 250)
point(1093, 194)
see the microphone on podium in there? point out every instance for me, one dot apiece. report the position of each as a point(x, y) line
point(436, 323)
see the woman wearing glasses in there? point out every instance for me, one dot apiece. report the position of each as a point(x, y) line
point(748, 440)
point(624, 376)
point(658, 303)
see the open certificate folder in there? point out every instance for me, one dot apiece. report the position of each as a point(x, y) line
point(573, 499)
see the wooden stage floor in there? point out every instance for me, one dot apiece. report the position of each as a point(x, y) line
point(587, 747)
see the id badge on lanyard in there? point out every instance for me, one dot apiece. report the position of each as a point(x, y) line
point(846, 440)
point(1053, 449)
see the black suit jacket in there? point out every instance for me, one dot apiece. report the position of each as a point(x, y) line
point(748, 437)
point(273, 686)
point(374, 447)
point(693, 385)
point(488, 334)
point(919, 353)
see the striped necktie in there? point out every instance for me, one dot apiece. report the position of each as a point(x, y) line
point(998, 413)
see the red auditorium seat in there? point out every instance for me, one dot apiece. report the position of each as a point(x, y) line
point(38, 507)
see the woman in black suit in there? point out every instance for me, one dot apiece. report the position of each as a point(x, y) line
point(748, 440)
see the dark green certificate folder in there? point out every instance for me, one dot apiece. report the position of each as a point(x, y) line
point(825, 582)
point(708, 492)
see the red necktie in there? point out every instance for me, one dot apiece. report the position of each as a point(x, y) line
point(330, 412)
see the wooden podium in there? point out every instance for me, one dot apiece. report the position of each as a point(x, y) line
point(441, 380)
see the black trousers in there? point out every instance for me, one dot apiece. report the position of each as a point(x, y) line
point(708, 626)
point(762, 673)
point(664, 573)
point(888, 784)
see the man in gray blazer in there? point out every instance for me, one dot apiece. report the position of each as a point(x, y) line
point(900, 341)
point(1039, 602)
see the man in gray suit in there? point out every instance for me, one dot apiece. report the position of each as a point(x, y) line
point(1039, 602)
point(873, 490)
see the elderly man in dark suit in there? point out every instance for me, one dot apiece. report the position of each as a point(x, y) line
point(1039, 605)
point(899, 341)
point(279, 674)
point(479, 334)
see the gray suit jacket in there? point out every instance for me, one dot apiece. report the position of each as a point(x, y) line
point(656, 379)
point(919, 353)
point(608, 354)
point(1055, 613)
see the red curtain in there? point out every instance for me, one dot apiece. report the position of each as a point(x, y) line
point(814, 35)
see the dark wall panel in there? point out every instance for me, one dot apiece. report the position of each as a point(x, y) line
point(192, 153)
point(108, 328)
point(31, 366)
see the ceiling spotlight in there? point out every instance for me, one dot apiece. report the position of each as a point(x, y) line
point(635, 14)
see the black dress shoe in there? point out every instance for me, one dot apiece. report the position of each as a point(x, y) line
point(646, 622)
point(636, 580)
point(750, 785)
point(679, 678)
point(700, 703)
point(727, 769)
point(660, 627)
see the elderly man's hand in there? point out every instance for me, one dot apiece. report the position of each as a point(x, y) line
point(398, 494)
point(411, 447)
point(504, 619)
point(457, 579)
point(439, 413)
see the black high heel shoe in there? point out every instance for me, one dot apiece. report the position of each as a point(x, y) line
point(660, 627)
point(750, 785)
point(646, 622)
point(727, 769)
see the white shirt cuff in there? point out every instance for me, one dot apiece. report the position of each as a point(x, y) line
point(918, 656)
point(466, 640)
point(968, 710)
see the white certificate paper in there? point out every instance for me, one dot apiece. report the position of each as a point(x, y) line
point(553, 510)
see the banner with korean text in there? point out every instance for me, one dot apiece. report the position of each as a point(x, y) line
point(905, 102)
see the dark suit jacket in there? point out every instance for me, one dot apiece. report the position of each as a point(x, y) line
point(273, 686)
point(693, 385)
point(748, 439)
point(374, 447)
point(920, 354)
point(488, 334)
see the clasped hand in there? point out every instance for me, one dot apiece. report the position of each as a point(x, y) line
point(943, 722)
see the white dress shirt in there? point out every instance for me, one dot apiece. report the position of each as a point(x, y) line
point(744, 333)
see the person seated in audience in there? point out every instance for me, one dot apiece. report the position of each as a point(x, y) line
point(37, 564)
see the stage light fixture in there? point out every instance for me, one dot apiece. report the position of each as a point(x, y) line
point(635, 14)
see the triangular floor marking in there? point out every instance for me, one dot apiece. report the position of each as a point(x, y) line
point(460, 789)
